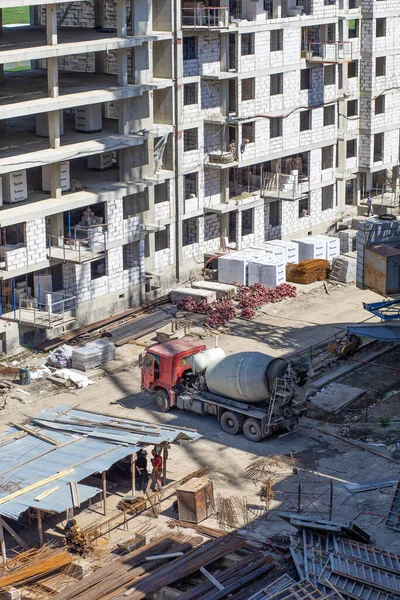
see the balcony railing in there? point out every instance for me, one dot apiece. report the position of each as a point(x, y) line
point(57, 310)
point(206, 17)
point(84, 244)
point(330, 52)
point(285, 187)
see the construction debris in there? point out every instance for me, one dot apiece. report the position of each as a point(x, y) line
point(393, 516)
point(348, 529)
point(354, 569)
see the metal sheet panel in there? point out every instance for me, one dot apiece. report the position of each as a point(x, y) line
point(375, 271)
point(89, 443)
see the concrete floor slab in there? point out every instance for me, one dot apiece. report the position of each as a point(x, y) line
point(336, 396)
point(25, 92)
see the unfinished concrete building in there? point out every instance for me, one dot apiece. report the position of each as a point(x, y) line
point(139, 136)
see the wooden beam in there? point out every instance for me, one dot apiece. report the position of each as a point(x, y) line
point(36, 485)
point(11, 531)
point(164, 466)
point(3, 544)
point(133, 471)
point(44, 495)
point(35, 434)
point(104, 482)
point(40, 526)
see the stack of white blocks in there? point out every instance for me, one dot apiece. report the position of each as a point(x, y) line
point(310, 248)
point(255, 265)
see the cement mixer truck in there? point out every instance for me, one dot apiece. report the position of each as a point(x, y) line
point(247, 392)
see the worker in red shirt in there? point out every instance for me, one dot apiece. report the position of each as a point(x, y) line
point(157, 465)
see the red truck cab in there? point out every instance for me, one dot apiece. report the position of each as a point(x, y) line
point(163, 366)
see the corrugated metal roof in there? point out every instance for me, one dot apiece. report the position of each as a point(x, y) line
point(88, 443)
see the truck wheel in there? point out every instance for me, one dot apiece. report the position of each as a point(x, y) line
point(231, 423)
point(252, 430)
point(162, 401)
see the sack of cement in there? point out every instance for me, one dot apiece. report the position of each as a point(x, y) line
point(93, 355)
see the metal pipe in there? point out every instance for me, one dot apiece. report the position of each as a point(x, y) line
point(176, 137)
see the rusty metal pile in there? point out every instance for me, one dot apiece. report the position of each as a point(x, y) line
point(33, 565)
point(308, 271)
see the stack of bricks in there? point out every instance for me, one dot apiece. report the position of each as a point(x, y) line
point(36, 241)
point(114, 219)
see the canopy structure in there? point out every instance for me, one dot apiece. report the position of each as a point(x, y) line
point(44, 462)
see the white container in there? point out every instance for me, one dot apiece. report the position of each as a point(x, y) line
point(311, 248)
point(100, 162)
point(65, 177)
point(89, 118)
point(291, 250)
point(15, 187)
point(332, 246)
point(232, 269)
point(270, 274)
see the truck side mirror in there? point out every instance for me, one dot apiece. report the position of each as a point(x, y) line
point(140, 360)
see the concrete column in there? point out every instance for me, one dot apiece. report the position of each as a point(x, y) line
point(276, 9)
point(52, 77)
point(224, 225)
point(224, 51)
point(224, 97)
point(123, 116)
point(142, 17)
point(238, 238)
point(57, 229)
point(121, 18)
point(100, 57)
point(55, 180)
point(54, 129)
point(122, 56)
point(224, 177)
point(51, 24)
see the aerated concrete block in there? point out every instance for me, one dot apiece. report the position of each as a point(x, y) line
point(197, 295)
point(222, 291)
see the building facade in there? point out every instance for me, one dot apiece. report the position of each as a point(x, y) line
point(141, 136)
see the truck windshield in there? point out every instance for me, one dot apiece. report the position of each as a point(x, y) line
point(186, 359)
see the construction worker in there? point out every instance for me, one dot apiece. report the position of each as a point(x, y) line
point(74, 537)
point(157, 464)
point(369, 206)
point(141, 473)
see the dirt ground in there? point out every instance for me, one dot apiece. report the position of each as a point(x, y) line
point(279, 329)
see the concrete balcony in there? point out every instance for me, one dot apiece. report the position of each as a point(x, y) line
point(331, 52)
point(279, 186)
point(58, 310)
point(206, 17)
point(84, 244)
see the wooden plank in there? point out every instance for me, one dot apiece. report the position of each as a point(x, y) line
point(104, 483)
point(44, 495)
point(35, 485)
point(3, 544)
point(75, 494)
point(40, 526)
point(35, 433)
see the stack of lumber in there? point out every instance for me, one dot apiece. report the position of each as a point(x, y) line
point(118, 575)
point(32, 565)
point(308, 271)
